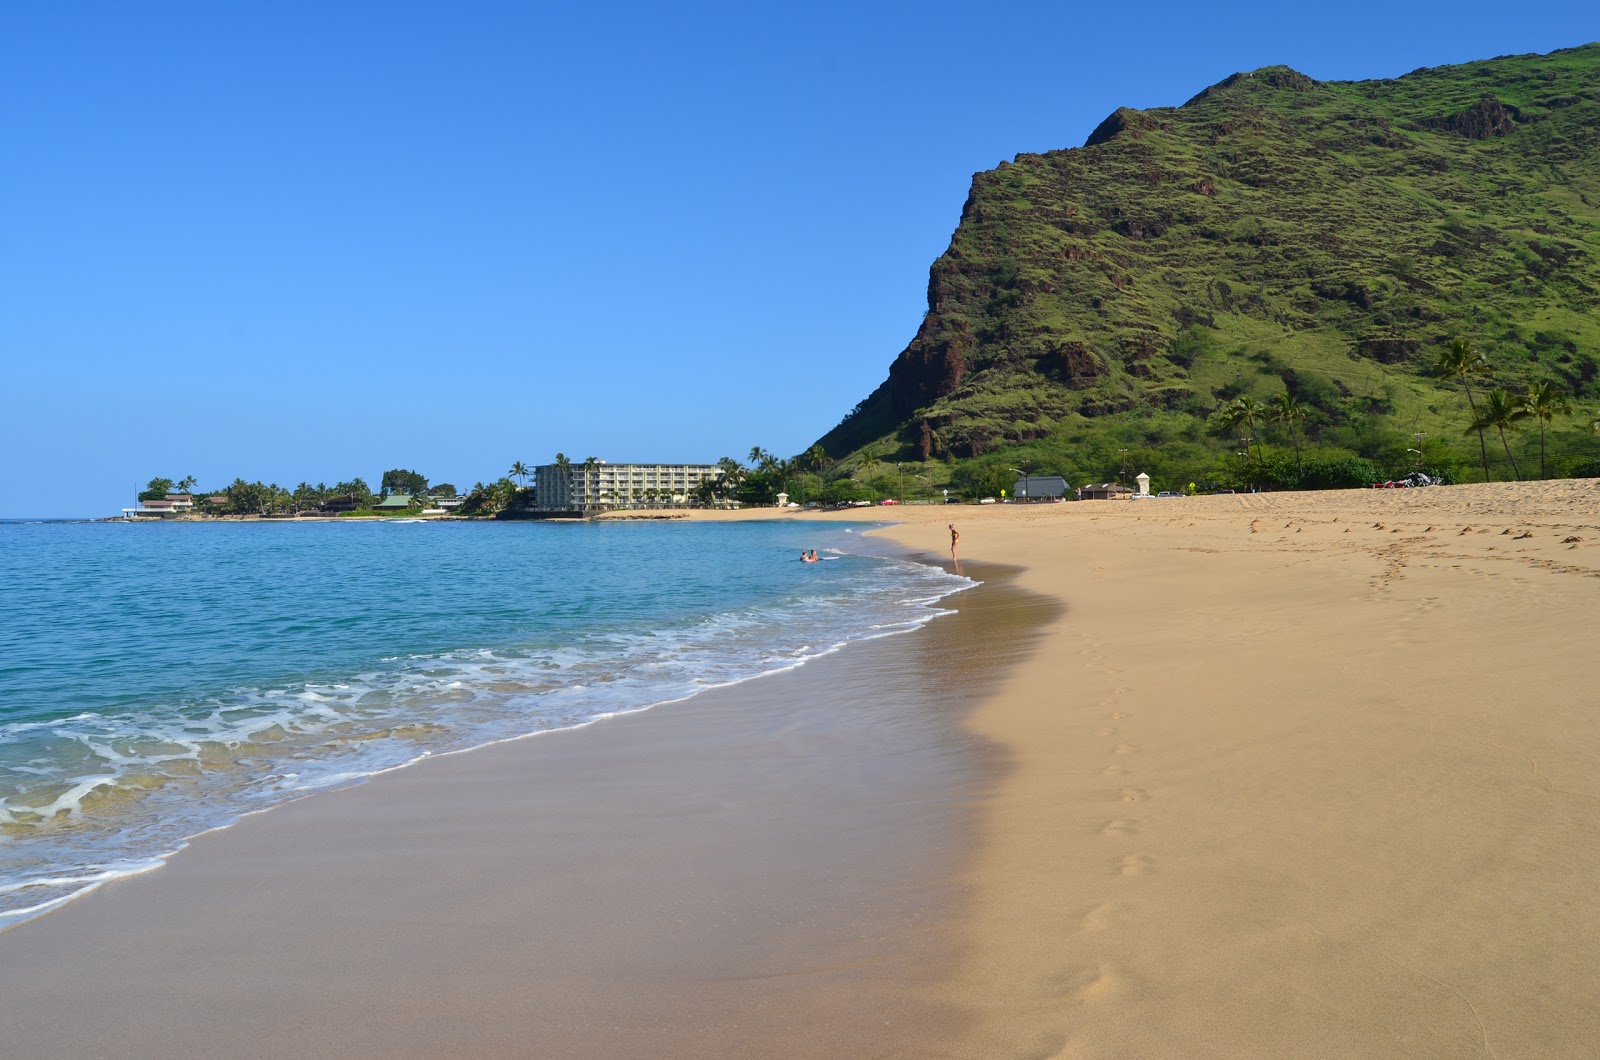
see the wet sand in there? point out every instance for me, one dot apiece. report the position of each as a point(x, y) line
point(764, 870)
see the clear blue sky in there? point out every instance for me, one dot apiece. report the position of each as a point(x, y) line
point(306, 241)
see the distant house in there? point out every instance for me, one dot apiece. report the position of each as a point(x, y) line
point(1104, 491)
point(173, 504)
point(346, 503)
point(394, 502)
point(449, 504)
point(1040, 487)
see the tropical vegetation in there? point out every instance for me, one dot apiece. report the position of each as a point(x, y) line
point(1364, 251)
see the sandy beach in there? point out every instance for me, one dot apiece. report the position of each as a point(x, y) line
point(1295, 775)
point(1247, 776)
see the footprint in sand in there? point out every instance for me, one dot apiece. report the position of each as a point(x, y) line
point(1119, 827)
point(1115, 771)
point(1136, 865)
point(1099, 918)
point(1125, 749)
point(1106, 732)
point(1119, 715)
point(1135, 795)
point(1088, 985)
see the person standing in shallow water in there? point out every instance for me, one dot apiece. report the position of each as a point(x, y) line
point(955, 538)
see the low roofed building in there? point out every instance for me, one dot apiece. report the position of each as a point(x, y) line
point(1104, 491)
point(1040, 487)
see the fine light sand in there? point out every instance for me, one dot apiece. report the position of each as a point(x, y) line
point(1252, 776)
point(1310, 775)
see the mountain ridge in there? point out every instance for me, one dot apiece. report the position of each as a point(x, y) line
point(1272, 234)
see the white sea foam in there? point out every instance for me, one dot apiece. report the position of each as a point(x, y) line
point(104, 795)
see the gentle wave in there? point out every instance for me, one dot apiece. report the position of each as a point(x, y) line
point(96, 796)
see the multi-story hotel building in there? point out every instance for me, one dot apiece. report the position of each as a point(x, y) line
point(590, 487)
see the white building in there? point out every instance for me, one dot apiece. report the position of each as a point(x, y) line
point(579, 487)
point(170, 506)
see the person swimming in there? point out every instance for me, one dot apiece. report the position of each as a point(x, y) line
point(808, 557)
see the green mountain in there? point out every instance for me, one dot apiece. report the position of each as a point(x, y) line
point(1274, 234)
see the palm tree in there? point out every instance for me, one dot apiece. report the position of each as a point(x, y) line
point(815, 458)
point(591, 479)
point(869, 464)
point(1230, 418)
point(519, 471)
point(187, 483)
point(564, 473)
point(1288, 411)
point(1461, 362)
point(1544, 400)
point(1500, 411)
point(1251, 415)
point(759, 456)
point(731, 478)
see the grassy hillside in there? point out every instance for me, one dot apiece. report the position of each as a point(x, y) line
point(1274, 234)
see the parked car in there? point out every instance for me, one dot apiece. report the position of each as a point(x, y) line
point(889, 500)
point(1169, 493)
point(987, 500)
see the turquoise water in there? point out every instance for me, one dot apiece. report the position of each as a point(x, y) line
point(158, 681)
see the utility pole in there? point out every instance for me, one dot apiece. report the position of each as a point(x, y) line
point(1027, 494)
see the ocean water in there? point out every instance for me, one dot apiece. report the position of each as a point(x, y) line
point(159, 681)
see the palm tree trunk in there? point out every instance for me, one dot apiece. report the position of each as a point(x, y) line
point(1509, 457)
point(1543, 474)
point(1482, 445)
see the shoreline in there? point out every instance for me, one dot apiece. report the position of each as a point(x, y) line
point(740, 867)
point(1296, 775)
point(123, 864)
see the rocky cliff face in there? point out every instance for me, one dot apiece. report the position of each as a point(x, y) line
point(1272, 231)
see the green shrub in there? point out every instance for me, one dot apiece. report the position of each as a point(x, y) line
point(845, 489)
point(1351, 473)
